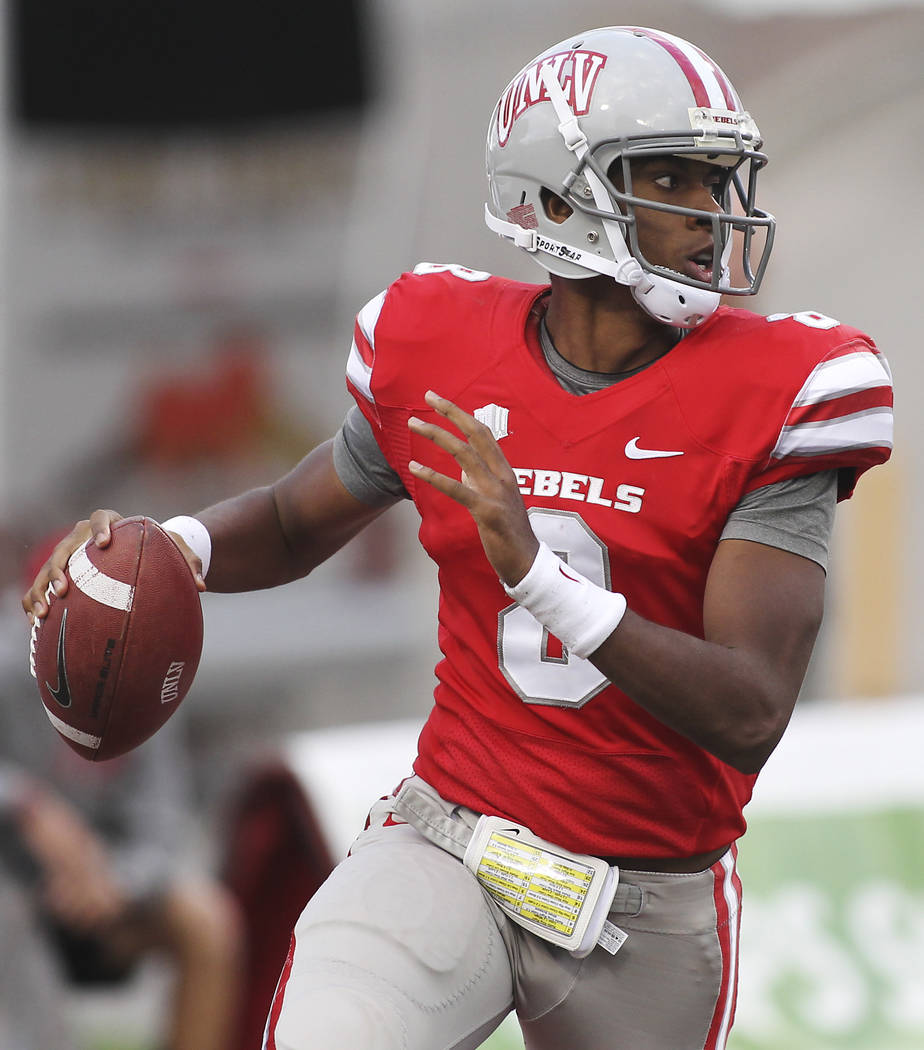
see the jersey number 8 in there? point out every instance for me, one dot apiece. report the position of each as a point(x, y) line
point(538, 668)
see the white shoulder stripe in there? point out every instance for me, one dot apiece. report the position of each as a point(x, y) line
point(368, 317)
point(359, 373)
point(97, 585)
point(77, 735)
point(839, 376)
point(870, 429)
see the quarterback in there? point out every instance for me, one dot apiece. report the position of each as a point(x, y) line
point(628, 488)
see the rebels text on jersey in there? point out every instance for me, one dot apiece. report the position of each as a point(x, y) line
point(632, 485)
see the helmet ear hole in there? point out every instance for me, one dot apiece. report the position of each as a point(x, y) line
point(556, 208)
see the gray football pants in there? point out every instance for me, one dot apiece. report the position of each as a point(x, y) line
point(401, 949)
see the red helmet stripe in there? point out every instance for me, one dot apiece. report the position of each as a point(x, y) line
point(724, 83)
point(676, 49)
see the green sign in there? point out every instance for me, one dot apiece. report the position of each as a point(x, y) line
point(832, 944)
point(832, 939)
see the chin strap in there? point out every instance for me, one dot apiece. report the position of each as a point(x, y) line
point(667, 301)
point(533, 241)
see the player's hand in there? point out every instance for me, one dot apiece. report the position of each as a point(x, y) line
point(97, 527)
point(488, 489)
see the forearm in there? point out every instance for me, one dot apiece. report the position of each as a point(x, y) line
point(731, 691)
point(249, 548)
point(725, 699)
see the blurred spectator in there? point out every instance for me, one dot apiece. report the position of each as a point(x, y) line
point(99, 853)
point(31, 1013)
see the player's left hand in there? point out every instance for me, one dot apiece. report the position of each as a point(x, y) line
point(488, 488)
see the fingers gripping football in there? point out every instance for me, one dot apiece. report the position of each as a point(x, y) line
point(487, 488)
point(52, 578)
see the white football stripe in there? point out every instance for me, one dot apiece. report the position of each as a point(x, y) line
point(872, 429)
point(843, 375)
point(77, 735)
point(97, 585)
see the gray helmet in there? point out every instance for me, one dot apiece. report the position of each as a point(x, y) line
point(606, 96)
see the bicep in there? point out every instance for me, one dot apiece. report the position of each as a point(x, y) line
point(317, 514)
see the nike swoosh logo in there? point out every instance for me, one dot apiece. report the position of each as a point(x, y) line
point(634, 452)
point(61, 692)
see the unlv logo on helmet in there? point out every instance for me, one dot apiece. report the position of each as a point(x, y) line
point(576, 71)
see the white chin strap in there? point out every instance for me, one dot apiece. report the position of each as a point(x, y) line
point(667, 301)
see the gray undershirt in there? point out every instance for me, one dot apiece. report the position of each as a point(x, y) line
point(795, 515)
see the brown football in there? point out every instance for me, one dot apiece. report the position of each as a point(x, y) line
point(118, 651)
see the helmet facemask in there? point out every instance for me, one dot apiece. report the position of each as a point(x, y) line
point(735, 195)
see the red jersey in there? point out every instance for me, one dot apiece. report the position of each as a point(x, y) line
point(632, 485)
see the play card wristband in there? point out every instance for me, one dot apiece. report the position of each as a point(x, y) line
point(579, 613)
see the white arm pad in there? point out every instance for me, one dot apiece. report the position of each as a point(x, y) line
point(579, 613)
point(196, 536)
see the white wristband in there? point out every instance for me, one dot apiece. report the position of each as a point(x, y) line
point(579, 613)
point(196, 536)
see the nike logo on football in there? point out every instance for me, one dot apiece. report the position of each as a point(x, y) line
point(634, 452)
point(61, 692)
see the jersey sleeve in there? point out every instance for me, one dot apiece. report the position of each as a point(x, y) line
point(361, 359)
point(416, 335)
point(361, 465)
point(840, 419)
point(796, 515)
point(389, 341)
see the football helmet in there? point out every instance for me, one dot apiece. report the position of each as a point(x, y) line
point(573, 120)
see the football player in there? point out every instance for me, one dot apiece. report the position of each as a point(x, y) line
point(628, 489)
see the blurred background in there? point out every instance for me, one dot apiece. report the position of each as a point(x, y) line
point(197, 199)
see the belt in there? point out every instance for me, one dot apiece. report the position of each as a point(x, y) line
point(428, 815)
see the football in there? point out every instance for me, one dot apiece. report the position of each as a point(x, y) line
point(118, 651)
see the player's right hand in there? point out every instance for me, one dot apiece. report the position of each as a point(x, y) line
point(98, 528)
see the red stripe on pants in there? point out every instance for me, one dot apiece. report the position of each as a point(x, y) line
point(726, 890)
point(269, 1039)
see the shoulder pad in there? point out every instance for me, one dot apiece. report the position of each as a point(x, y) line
point(791, 393)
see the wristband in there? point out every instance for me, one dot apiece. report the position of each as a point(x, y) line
point(196, 536)
point(579, 613)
